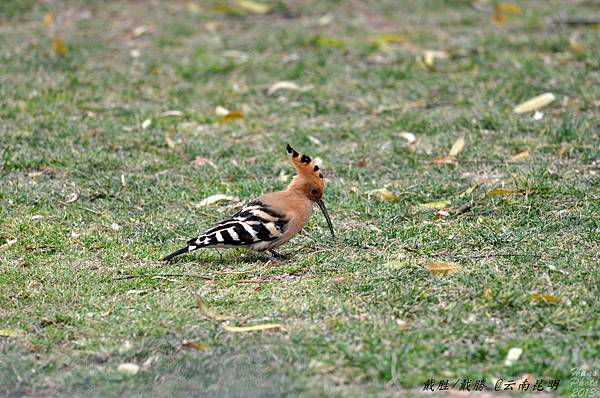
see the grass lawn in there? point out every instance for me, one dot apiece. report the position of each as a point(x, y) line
point(110, 138)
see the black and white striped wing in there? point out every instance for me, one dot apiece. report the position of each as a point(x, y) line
point(253, 224)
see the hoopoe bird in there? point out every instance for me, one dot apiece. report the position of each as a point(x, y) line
point(272, 219)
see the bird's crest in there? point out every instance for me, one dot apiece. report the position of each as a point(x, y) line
point(305, 167)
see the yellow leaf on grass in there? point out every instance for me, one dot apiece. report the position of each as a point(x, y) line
point(203, 307)
point(575, 44)
point(59, 46)
point(508, 8)
point(383, 40)
point(214, 199)
point(435, 205)
point(535, 103)
point(253, 6)
point(547, 298)
point(458, 146)
point(384, 194)
point(327, 41)
point(49, 19)
point(193, 7)
point(502, 10)
point(253, 328)
point(9, 333)
point(231, 116)
point(487, 294)
point(224, 8)
point(198, 345)
point(520, 156)
point(389, 37)
point(501, 191)
point(443, 268)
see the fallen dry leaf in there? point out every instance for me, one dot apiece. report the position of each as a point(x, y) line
point(409, 137)
point(509, 8)
point(59, 46)
point(140, 30)
point(8, 243)
point(443, 268)
point(221, 111)
point(440, 214)
point(203, 307)
point(535, 103)
point(429, 57)
point(458, 146)
point(253, 328)
point(444, 160)
point(435, 205)
point(389, 37)
point(383, 40)
point(314, 140)
point(513, 356)
point(253, 6)
point(547, 298)
point(216, 198)
point(201, 161)
point(198, 345)
point(501, 191)
point(575, 45)
point(128, 368)
point(9, 333)
point(487, 294)
point(502, 10)
point(193, 7)
point(326, 41)
point(283, 85)
point(49, 19)
point(520, 156)
point(71, 198)
point(171, 113)
point(564, 147)
point(383, 194)
point(231, 116)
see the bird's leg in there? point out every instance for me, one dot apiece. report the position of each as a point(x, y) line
point(278, 254)
point(272, 258)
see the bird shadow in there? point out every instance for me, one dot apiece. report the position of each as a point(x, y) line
point(244, 258)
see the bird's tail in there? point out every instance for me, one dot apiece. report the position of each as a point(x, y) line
point(192, 245)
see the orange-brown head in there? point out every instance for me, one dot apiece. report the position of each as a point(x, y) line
point(309, 181)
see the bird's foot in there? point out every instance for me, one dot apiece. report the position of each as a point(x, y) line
point(272, 258)
point(279, 255)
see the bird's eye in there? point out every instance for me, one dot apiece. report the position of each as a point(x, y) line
point(314, 191)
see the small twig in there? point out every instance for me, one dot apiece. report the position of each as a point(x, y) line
point(504, 255)
point(465, 208)
point(566, 20)
point(91, 210)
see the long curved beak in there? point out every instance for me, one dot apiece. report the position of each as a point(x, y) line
point(324, 210)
